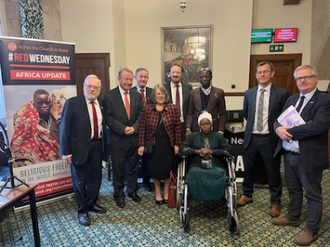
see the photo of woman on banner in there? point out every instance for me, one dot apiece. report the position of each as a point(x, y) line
point(36, 131)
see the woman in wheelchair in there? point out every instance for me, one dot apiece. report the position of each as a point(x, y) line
point(205, 151)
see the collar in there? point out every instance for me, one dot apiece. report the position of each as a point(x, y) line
point(309, 95)
point(122, 91)
point(173, 84)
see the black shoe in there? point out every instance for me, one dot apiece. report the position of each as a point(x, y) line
point(98, 209)
point(159, 202)
point(165, 201)
point(135, 197)
point(120, 201)
point(84, 219)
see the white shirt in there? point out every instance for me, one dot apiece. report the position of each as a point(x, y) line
point(173, 92)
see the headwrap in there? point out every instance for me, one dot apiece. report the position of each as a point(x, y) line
point(206, 115)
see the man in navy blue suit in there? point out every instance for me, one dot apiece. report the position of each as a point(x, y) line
point(123, 113)
point(81, 142)
point(262, 105)
point(142, 77)
point(305, 154)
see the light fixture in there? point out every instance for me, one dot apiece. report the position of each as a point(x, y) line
point(183, 5)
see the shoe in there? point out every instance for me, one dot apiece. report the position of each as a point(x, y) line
point(159, 202)
point(284, 221)
point(165, 201)
point(244, 200)
point(98, 209)
point(84, 219)
point(120, 201)
point(135, 197)
point(305, 238)
point(274, 210)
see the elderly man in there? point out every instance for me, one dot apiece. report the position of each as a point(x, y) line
point(81, 145)
point(305, 154)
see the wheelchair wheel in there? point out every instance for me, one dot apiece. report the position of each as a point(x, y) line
point(233, 223)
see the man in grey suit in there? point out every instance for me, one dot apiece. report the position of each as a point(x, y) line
point(81, 138)
point(179, 91)
point(262, 106)
point(142, 77)
point(206, 98)
point(305, 154)
point(123, 113)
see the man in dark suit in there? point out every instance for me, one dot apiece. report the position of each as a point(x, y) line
point(123, 113)
point(81, 135)
point(179, 91)
point(206, 98)
point(142, 77)
point(305, 154)
point(262, 105)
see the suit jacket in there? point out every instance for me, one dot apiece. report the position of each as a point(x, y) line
point(148, 93)
point(149, 124)
point(277, 99)
point(75, 131)
point(312, 136)
point(186, 88)
point(216, 107)
point(117, 120)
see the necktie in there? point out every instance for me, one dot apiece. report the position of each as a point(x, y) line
point(127, 106)
point(302, 98)
point(143, 97)
point(260, 114)
point(95, 122)
point(177, 97)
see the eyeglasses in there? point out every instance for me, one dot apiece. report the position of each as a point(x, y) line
point(263, 72)
point(306, 78)
point(205, 69)
point(91, 86)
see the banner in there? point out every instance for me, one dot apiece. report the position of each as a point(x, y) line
point(37, 77)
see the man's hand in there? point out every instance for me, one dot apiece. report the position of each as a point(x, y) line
point(141, 150)
point(283, 133)
point(176, 149)
point(129, 130)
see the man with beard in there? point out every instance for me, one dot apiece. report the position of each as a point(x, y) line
point(179, 92)
point(82, 129)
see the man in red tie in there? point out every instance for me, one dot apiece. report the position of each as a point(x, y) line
point(81, 138)
point(142, 77)
point(123, 112)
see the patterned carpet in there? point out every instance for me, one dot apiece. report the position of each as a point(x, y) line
point(147, 224)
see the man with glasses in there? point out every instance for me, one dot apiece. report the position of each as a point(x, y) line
point(142, 77)
point(206, 98)
point(305, 154)
point(262, 106)
point(81, 137)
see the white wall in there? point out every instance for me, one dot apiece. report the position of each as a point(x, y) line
point(3, 17)
point(131, 31)
point(273, 14)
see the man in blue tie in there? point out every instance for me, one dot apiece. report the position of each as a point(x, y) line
point(305, 154)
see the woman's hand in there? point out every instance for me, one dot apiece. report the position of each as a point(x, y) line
point(205, 153)
point(176, 149)
point(141, 150)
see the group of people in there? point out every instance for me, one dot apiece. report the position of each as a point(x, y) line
point(173, 118)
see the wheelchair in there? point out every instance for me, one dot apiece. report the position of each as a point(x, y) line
point(230, 195)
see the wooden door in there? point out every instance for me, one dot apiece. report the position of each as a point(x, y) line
point(284, 66)
point(93, 63)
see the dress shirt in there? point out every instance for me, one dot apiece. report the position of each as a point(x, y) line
point(293, 146)
point(173, 92)
point(139, 90)
point(265, 129)
point(122, 94)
